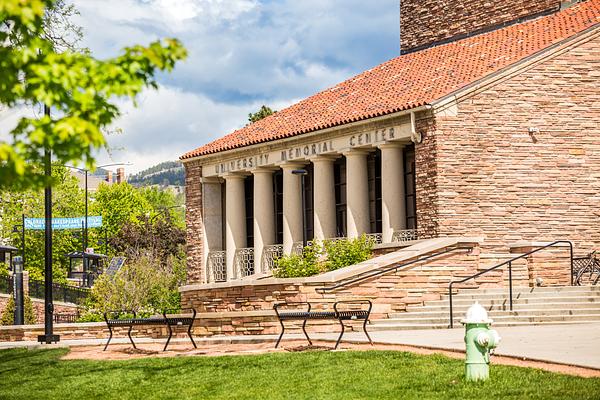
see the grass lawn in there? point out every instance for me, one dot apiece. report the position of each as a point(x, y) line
point(40, 374)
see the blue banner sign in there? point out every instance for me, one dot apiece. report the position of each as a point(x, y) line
point(63, 223)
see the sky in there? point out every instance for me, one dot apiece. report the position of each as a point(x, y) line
point(241, 54)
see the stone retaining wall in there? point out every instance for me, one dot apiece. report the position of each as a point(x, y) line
point(390, 292)
point(38, 307)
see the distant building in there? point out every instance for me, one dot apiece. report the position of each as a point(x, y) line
point(94, 180)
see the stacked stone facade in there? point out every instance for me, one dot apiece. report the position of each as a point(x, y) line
point(193, 220)
point(519, 159)
point(426, 22)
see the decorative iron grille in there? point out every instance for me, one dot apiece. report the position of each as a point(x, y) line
point(405, 235)
point(586, 270)
point(270, 254)
point(217, 270)
point(297, 248)
point(377, 237)
point(244, 262)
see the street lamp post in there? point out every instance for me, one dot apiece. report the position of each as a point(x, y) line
point(48, 336)
point(303, 173)
point(21, 229)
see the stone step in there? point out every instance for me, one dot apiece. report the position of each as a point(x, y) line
point(497, 313)
point(522, 300)
point(521, 295)
point(504, 306)
point(497, 319)
point(545, 289)
point(374, 327)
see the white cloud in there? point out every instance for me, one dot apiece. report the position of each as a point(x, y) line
point(242, 54)
point(170, 122)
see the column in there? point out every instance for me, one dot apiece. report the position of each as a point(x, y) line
point(235, 219)
point(264, 214)
point(324, 198)
point(357, 192)
point(292, 207)
point(393, 202)
point(212, 217)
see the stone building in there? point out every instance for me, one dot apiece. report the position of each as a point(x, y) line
point(486, 125)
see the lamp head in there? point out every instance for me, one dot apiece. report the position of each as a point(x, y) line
point(17, 264)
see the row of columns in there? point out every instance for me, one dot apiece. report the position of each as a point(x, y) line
point(357, 202)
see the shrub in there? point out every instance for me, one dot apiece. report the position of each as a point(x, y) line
point(142, 285)
point(8, 316)
point(317, 258)
point(345, 252)
point(299, 265)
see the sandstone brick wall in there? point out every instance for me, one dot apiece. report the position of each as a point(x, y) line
point(193, 220)
point(551, 266)
point(495, 179)
point(423, 22)
point(389, 293)
point(426, 170)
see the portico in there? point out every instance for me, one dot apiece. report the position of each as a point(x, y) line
point(355, 184)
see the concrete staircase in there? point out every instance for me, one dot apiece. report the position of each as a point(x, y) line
point(531, 306)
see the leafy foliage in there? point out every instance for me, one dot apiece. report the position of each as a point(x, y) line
point(144, 285)
point(126, 212)
point(331, 255)
point(260, 114)
point(300, 265)
point(159, 240)
point(343, 253)
point(119, 204)
point(8, 316)
point(68, 201)
point(77, 87)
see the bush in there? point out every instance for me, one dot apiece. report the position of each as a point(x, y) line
point(299, 265)
point(8, 316)
point(317, 258)
point(346, 252)
point(142, 285)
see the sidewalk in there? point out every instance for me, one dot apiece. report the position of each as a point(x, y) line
point(572, 344)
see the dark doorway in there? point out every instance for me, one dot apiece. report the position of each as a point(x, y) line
point(309, 201)
point(339, 176)
point(410, 187)
point(278, 202)
point(374, 176)
point(249, 197)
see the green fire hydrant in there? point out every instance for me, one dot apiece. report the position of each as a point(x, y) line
point(479, 341)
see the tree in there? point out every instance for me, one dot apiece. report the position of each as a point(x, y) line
point(79, 88)
point(260, 114)
point(119, 204)
point(68, 201)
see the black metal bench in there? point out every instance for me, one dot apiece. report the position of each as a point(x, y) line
point(167, 319)
point(340, 314)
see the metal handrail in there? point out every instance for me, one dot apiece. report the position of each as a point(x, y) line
point(509, 263)
point(389, 269)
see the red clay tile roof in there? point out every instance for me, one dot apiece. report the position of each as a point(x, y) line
point(412, 80)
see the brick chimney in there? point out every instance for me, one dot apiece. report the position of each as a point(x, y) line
point(120, 175)
point(424, 23)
